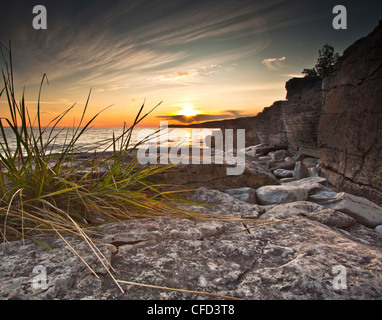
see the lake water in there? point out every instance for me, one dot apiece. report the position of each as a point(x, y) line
point(100, 139)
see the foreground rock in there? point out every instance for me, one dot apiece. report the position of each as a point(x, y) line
point(281, 259)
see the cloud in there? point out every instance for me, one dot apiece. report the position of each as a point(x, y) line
point(191, 74)
point(229, 114)
point(274, 63)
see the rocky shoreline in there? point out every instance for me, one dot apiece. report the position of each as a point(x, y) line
point(278, 241)
point(302, 222)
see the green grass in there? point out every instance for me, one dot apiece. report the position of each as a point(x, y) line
point(44, 192)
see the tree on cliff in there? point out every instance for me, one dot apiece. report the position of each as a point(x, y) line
point(325, 63)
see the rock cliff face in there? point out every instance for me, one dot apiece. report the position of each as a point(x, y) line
point(301, 114)
point(269, 125)
point(350, 131)
point(338, 120)
point(293, 123)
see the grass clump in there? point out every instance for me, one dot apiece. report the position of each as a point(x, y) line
point(67, 192)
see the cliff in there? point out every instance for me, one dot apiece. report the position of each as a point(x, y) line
point(337, 120)
point(350, 131)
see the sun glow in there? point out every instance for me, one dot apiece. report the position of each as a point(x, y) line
point(188, 111)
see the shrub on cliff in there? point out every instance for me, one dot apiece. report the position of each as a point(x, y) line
point(325, 63)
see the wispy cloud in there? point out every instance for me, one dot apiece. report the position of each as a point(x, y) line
point(274, 63)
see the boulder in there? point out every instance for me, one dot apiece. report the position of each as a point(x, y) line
point(300, 171)
point(361, 209)
point(378, 229)
point(311, 184)
point(287, 165)
point(287, 180)
point(289, 192)
point(279, 155)
point(243, 194)
point(280, 194)
point(282, 173)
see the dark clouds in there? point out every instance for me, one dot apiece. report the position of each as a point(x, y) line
point(228, 114)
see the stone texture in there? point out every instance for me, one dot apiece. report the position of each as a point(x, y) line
point(350, 131)
point(280, 194)
point(269, 125)
point(243, 194)
point(300, 171)
point(224, 204)
point(361, 209)
point(291, 191)
point(214, 176)
point(301, 114)
point(281, 173)
point(311, 211)
point(279, 259)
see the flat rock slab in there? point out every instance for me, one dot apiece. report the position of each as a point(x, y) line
point(274, 258)
point(361, 209)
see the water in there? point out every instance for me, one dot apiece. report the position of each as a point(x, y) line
point(99, 139)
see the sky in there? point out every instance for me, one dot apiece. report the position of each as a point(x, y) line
point(201, 59)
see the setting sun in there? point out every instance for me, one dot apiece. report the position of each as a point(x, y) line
point(188, 111)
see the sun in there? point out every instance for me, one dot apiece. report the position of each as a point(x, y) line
point(188, 111)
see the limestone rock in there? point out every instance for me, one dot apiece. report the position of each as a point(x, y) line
point(311, 184)
point(225, 204)
point(311, 211)
point(277, 261)
point(280, 194)
point(361, 209)
point(301, 114)
point(281, 173)
point(287, 165)
point(300, 171)
point(214, 176)
point(269, 125)
point(350, 131)
point(243, 194)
